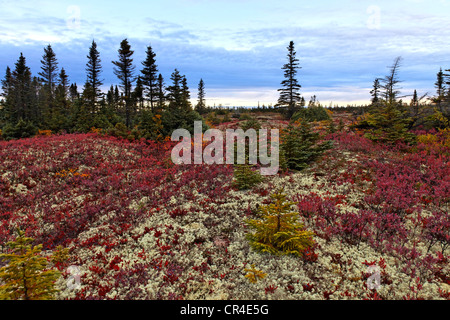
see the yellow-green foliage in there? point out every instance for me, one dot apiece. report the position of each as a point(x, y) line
point(60, 257)
point(25, 277)
point(278, 231)
point(253, 274)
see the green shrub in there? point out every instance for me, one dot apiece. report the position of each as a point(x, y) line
point(23, 129)
point(300, 146)
point(245, 178)
point(245, 116)
point(311, 114)
point(251, 124)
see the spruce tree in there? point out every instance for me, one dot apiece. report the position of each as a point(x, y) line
point(375, 93)
point(6, 91)
point(389, 123)
point(138, 93)
point(63, 85)
point(25, 276)
point(201, 97)
point(278, 230)
point(49, 73)
point(150, 78)
point(440, 89)
point(73, 92)
point(124, 70)
point(300, 145)
point(289, 94)
point(22, 103)
point(174, 92)
point(245, 178)
point(391, 81)
point(185, 94)
point(161, 92)
point(93, 71)
point(117, 96)
point(110, 97)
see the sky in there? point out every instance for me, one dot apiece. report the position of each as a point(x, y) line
point(238, 47)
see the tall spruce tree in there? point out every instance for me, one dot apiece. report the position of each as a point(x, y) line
point(62, 101)
point(375, 93)
point(440, 89)
point(6, 91)
point(63, 85)
point(150, 78)
point(201, 97)
point(391, 81)
point(161, 92)
point(124, 70)
point(73, 92)
point(21, 107)
point(289, 94)
point(49, 73)
point(174, 92)
point(138, 93)
point(93, 71)
point(185, 94)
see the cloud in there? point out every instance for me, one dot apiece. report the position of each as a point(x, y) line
point(335, 47)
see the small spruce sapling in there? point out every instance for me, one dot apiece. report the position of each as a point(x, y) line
point(279, 231)
point(253, 274)
point(25, 276)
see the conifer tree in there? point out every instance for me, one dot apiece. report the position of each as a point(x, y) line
point(6, 82)
point(415, 101)
point(289, 94)
point(375, 93)
point(390, 122)
point(57, 120)
point(245, 178)
point(161, 92)
point(278, 231)
point(20, 94)
point(73, 92)
point(440, 89)
point(93, 71)
point(185, 94)
point(138, 93)
point(6, 91)
point(201, 97)
point(300, 145)
point(110, 97)
point(124, 70)
point(174, 92)
point(391, 81)
point(25, 276)
point(64, 83)
point(150, 78)
point(49, 73)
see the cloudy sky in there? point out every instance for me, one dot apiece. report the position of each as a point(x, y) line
point(239, 46)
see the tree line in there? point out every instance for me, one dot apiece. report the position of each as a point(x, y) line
point(48, 101)
point(144, 103)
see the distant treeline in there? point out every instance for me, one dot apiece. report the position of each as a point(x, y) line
point(143, 102)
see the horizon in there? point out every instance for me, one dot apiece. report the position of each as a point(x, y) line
point(239, 47)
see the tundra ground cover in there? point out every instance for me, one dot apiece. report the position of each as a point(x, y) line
point(139, 227)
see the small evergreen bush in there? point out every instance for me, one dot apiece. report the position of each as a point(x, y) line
point(245, 178)
point(300, 146)
point(25, 276)
point(278, 231)
point(311, 114)
point(22, 129)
